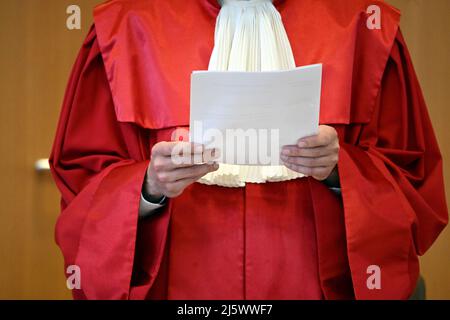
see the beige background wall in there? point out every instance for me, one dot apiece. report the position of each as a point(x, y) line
point(37, 52)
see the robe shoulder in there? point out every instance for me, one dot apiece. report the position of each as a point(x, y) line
point(343, 13)
point(150, 49)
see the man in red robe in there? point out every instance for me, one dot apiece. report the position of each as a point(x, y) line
point(297, 239)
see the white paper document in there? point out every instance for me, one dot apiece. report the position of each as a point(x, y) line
point(250, 116)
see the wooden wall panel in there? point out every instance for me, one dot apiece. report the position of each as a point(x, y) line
point(37, 53)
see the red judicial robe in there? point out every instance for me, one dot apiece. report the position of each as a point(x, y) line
point(130, 89)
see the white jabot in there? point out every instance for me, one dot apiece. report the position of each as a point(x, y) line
point(250, 36)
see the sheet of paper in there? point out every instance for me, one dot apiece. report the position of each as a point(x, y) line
point(249, 116)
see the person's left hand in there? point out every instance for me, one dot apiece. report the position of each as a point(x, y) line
point(315, 156)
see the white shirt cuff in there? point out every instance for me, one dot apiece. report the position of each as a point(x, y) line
point(147, 208)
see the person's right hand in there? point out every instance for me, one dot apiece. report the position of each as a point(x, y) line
point(167, 176)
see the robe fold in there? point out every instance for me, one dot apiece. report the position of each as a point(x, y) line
point(129, 89)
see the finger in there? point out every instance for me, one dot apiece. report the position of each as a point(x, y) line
point(325, 136)
point(294, 151)
point(314, 141)
point(192, 172)
point(161, 163)
point(193, 179)
point(185, 173)
point(169, 148)
point(211, 155)
point(321, 172)
point(207, 156)
point(174, 189)
point(311, 162)
point(185, 160)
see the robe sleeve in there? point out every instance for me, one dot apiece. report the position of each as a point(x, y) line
point(392, 185)
point(99, 165)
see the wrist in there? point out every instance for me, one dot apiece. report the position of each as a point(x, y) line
point(156, 199)
point(150, 194)
point(150, 206)
point(332, 180)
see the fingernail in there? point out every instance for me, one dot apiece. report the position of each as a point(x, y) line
point(215, 153)
point(286, 152)
point(302, 144)
point(198, 148)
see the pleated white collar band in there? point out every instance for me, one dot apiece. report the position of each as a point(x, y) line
point(250, 36)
